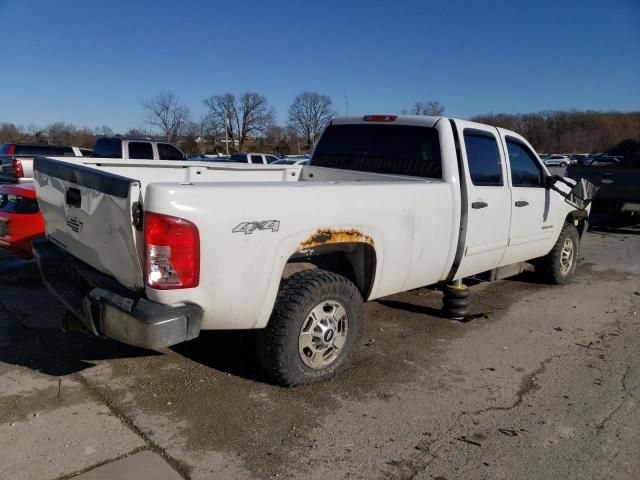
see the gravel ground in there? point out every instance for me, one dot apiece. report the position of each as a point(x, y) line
point(542, 383)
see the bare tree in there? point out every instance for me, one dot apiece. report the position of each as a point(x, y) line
point(434, 109)
point(103, 131)
point(309, 113)
point(255, 115)
point(247, 115)
point(166, 113)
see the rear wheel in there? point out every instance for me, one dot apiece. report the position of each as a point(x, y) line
point(314, 330)
point(559, 265)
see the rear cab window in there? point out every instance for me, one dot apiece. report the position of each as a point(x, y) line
point(256, 159)
point(140, 151)
point(239, 158)
point(389, 149)
point(108, 148)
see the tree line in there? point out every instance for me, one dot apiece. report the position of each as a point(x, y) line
point(236, 122)
point(569, 131)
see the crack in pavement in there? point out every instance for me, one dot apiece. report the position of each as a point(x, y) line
point(600, 426)
point(181, 468)
point(411, 467)
point(528, 384)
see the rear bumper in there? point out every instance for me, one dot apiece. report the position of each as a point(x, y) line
point(108, 309)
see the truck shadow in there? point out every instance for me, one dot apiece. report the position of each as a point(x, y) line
point(53, 352)
point(231, 352)
point(30, 336)
point(412, 308)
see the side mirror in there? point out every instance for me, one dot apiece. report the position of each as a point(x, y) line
point(579, 194)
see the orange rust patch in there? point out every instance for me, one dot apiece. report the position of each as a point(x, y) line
point(327, 236)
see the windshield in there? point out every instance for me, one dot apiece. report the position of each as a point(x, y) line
point(392, 149)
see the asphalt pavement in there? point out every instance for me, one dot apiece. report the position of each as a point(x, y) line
point(541, 383)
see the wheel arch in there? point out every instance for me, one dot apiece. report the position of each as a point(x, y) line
point(355, 260)
point(579, 218)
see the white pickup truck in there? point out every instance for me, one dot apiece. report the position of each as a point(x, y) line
point(152, 252)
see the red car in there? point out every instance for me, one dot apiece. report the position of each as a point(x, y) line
point(20, 218)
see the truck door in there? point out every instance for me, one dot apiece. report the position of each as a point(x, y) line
point(488, 198)
point(532, 228)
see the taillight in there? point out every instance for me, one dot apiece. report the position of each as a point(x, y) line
point(11, 150)
point(172, 252)
point(17, 168)
point(379, 118)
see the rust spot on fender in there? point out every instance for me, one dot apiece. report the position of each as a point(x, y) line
point(327, 236)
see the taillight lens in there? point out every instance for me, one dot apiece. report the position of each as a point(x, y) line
point(11, 150)
point(17, 168)
point(172, 252)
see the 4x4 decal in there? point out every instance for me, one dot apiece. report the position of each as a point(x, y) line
point(249, 227)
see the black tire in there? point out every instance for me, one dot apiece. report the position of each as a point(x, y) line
point(278, 343)
point(563, 164)
point(551, 267)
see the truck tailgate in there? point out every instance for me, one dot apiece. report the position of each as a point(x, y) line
point(89, 213)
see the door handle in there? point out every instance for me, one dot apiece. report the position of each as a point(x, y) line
point(477, 205)
point(522, 203)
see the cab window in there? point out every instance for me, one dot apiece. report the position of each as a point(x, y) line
point(169, 152)
point(525, 170)
point(483, 158)
point(140, 151)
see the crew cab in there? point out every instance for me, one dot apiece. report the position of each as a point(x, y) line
point(136, 149)
point(150, 253)
point(16, 159)
point(20, 219)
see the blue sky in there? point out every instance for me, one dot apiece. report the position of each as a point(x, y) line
point(92, 63)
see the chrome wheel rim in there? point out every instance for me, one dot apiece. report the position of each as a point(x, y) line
point(566, 257)
point(323, 334)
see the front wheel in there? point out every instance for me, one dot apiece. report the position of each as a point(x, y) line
point(314, 330)
point(563, 164)
point(559, 265)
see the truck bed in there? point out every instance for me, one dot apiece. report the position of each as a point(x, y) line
point(311, 205)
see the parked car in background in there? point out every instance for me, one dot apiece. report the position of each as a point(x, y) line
point(20, 218)
point(292, 161)
point(136, 149)
point(580, 159)
point(617, 173)
point(16, 159)
point(252, 158)
point(557, 161)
